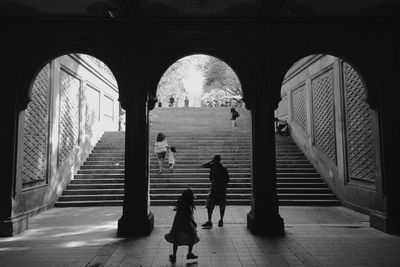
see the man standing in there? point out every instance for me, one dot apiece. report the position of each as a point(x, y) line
point(171, 101)
point(219, 178)
point(186, 102)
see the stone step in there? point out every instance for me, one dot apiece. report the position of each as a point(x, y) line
point(114, 166)
point(201, 202)
point(177, 169)
point(281, 196)
point(196, 175)
point(185, 180)
point(94, 191)
point(95, 186)
point(244, 190)
point(302, 185)
point(99, 176)
point(186, 165)
point(89, 203)
point(309, 202)
point(91, 197)
point(196, 185)
point(97, 181)
point(102, 171)
point(104, 163)
point(205, 190)
point(105, 158)
point(241, 202)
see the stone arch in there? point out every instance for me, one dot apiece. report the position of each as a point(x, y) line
point(356, 58)
point(52, 50)
point(176, 48)
point(343, 135)
point(38, 117)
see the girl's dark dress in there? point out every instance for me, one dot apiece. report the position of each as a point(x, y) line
point(183, 231)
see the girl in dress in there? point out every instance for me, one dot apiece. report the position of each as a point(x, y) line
point(160, 148)
point(183, 231)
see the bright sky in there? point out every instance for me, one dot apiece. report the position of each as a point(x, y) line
point(194, 83)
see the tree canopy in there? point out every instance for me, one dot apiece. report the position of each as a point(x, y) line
point(219, 76)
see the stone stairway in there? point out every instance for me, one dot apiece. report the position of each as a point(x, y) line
point(100, 180)
point(197, 134)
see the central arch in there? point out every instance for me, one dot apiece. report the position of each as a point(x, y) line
point(227, 50)
point(199, 131)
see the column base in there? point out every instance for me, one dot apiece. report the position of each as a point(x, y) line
point(382, 222)
point(134, 226)
point(268, 225)
point(13, 226)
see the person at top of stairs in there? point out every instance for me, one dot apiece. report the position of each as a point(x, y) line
point(219, 178)
point(160, 148)
point(234, 116)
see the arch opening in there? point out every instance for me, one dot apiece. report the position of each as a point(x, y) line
point(196, 98)
point(66, 132)
point(329, 154)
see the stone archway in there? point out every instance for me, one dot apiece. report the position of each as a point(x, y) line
point(355, 93)
point(20, 83)
point(264, 215)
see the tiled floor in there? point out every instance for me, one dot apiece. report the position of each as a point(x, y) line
point(333, 236)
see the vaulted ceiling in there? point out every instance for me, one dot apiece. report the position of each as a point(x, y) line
point(199, 9)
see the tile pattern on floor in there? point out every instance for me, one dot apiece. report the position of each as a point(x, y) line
point(328, 236)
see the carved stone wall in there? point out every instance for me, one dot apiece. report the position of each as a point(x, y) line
point(299, 107)
point(92, 96)
point(324, 114)
point(360, 127)
point(100, 64)
point(282, 110)
point(34, 166)
point(69, 114)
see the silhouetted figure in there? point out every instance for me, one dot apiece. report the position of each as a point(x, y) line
point(171, 101)
point(160, 148)
point(234, 116)
point(186, 102)
point(183, 231)
point(219, 178)
point(282, 127)
point(159, 103)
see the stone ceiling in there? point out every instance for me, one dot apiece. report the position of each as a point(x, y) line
point(199, 9)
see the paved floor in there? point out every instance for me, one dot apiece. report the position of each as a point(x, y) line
point(333, 236)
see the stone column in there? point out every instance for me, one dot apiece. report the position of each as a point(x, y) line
point(264, 216)
point(10, 108)
point(136, 218)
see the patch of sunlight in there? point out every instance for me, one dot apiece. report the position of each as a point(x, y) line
point(30, 233)
point(94, 242)
point(73, 244)
point(78, 230)
point(14, 249)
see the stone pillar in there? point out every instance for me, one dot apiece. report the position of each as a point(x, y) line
point(10, 222)
point(136, 218)
point(264, 216)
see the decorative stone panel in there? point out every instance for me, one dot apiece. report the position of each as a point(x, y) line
point(324, 114)
point(92, 108)
point(69, 114)
point(283, 106)
point(99, 64)
point(34, 166)
point(360, 127)
point(108, 107)
point(299, 107)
